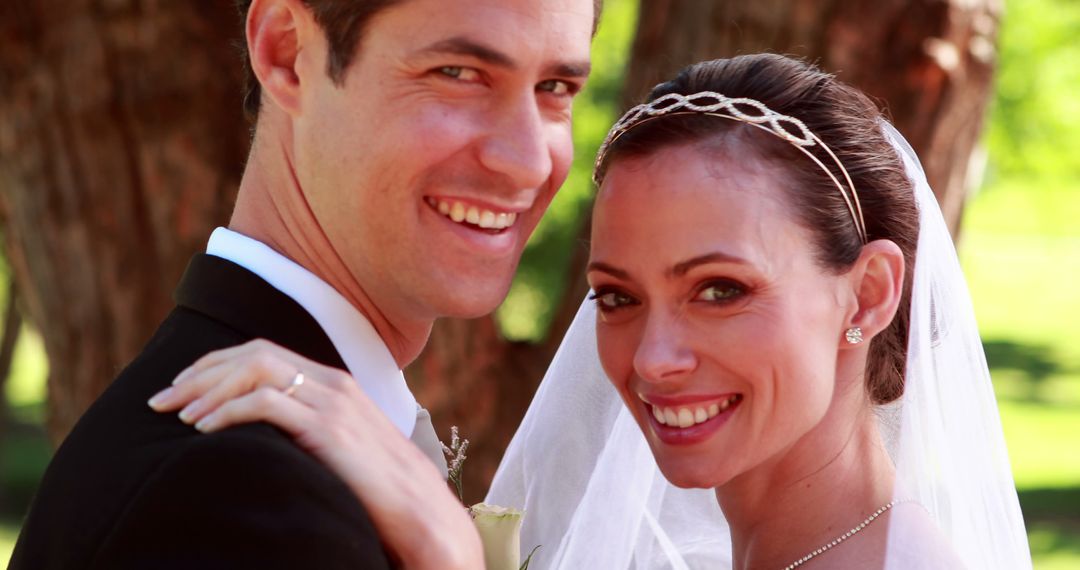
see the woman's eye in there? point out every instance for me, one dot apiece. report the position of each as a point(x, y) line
point(557, 87)
point(720, 292)
point(460, 73)
point(611, 300)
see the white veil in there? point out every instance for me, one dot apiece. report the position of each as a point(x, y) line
point(594, 497)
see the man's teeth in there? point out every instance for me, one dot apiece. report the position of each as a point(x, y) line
point(486, 219)
point(686, 417)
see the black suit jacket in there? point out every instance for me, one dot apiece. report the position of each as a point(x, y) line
point(132, 488)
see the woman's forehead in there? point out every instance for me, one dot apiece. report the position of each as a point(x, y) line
point(673, 201)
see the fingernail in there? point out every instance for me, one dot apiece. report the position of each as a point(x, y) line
point(183, 376)
point(203, 424)
point(190, 411)
point(160, 398)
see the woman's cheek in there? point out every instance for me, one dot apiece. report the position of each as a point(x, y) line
point(615, 346)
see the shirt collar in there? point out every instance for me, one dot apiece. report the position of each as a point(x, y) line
point(360, 346)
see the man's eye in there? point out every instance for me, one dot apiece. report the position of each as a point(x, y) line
point(460, 73)
point(557, 87)
point(720, 292)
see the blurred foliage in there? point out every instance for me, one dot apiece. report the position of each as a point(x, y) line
point(1036, 109)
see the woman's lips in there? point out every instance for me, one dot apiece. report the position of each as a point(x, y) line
point(688, 423)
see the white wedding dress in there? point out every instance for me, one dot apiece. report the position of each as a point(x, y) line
point(595, 499)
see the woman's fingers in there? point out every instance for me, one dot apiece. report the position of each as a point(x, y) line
point(239, 380)
point(266, 363)
point(195, 385)
point(263, 404)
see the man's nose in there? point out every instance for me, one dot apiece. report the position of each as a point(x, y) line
point(517, 145)
point(663, 355)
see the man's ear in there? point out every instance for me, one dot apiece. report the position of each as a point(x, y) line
point(877, 279)
point(276, 31)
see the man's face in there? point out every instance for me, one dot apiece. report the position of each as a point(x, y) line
point(433, 163)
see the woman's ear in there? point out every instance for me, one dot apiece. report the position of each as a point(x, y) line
point(877, 280)
point(276, 30)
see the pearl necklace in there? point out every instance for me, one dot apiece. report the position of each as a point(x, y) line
point(847, 534)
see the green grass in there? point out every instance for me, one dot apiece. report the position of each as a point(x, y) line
point(1020, 249)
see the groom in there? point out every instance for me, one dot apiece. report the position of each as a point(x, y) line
point(404, 151)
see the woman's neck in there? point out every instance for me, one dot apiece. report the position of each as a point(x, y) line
point(819, 488)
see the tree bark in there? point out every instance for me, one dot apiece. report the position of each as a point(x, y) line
point(928, 62)
point(121, 145)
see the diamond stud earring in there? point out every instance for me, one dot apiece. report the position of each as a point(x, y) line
point(854, 335)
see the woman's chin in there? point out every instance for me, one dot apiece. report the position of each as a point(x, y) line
point(691, 476)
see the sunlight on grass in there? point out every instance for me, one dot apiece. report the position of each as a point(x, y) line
point(26, 384)
point(1037, 435)
point(8, 533)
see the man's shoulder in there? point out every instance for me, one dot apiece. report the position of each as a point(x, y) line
point(247, 495)
point(124, 464)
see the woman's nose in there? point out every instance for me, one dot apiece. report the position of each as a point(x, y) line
point(663, 355)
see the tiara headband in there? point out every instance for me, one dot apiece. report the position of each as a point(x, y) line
point(716, 105)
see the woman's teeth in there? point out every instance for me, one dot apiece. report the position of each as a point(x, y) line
point(686, 417)
point(473, 215)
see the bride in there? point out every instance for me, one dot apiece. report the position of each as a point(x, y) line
point(778, 365)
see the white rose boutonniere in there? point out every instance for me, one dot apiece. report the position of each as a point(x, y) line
point(500, 531)
point(499, 527)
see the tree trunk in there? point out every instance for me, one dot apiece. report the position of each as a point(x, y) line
point(121, 145)
point(929, 62)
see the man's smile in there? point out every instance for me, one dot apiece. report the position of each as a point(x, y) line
point(475, 217)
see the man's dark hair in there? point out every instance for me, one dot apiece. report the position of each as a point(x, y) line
point(343, 22)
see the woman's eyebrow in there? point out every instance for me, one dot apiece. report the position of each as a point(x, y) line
point(609, 269)
point(683, 267)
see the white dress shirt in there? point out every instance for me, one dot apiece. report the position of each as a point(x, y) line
point(361, 348)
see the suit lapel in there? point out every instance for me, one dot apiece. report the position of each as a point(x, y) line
point(232, 295)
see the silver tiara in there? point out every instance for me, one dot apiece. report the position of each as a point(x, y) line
point(717, 105)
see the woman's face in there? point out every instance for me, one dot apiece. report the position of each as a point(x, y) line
point(716, 325)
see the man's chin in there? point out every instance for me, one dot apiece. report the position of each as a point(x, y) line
point(474, 303)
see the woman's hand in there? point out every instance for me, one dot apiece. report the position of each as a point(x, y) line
point(417, 516)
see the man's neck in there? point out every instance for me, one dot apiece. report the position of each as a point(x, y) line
point(272, 208)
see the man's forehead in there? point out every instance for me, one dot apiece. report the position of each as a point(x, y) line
point(554, 29)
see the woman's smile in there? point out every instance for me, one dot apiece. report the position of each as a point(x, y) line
point(679, 421)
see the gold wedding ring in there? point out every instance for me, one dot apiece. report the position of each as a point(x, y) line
point(296, 383)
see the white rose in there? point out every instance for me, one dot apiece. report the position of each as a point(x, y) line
point(500, 529)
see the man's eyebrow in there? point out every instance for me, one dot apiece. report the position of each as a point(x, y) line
point(578, 69)
point(609, 269)
point(682, 268)
point(464, 46)
point(461, 45)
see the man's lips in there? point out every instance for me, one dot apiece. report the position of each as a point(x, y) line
point(472, 215)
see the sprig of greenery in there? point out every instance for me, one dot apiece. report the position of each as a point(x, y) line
point(525, 565)
point(455, 455)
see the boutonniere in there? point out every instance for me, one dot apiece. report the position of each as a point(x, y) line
point(499, 527)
